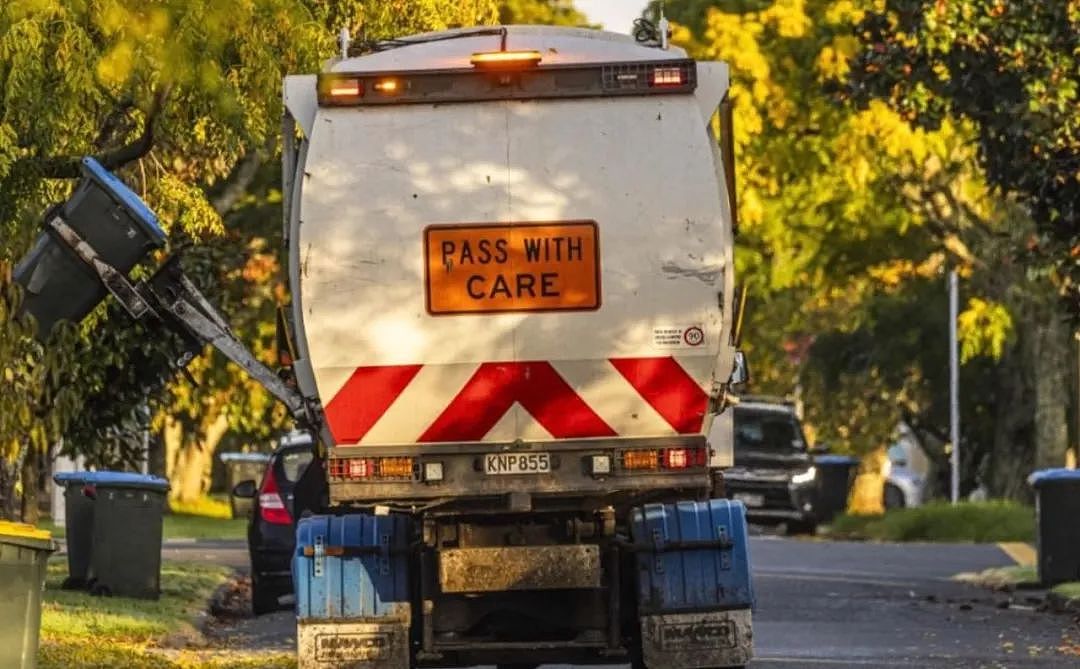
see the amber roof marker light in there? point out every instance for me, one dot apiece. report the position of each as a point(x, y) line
point(501, 60)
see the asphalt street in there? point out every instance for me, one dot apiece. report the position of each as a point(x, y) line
point(827, 604)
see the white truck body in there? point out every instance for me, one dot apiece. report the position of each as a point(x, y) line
point(618, 328)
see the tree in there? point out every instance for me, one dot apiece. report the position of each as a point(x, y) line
point(182, 98)
point(1009, 67)
point(849, 219)
point(548, 12)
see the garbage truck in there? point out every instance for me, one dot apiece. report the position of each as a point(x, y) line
point(514, 332)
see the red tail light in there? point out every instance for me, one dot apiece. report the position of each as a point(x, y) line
point(684, 458)
point(271, 506)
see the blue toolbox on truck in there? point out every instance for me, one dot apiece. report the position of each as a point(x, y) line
point(352, 590)
point(694, 589)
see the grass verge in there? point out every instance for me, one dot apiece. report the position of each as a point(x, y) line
point(183, 526)
point(78, 630)
point(1002, 578)
point(977, 522)
point(1068, 591)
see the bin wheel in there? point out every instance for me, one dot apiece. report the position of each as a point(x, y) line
point(99, 590)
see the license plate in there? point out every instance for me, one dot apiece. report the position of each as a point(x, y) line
point(517, 463)
point(750, 499)
point(497, 267)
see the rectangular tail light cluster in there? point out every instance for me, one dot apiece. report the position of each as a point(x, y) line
point(355, 469)
point(508, 82)
point(664, 459)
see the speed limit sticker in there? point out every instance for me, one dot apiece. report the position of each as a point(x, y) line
point(693, 336)
point(675, 336)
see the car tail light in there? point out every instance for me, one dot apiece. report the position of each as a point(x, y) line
point(684, 458)
point(271, 506)
point(641, 459)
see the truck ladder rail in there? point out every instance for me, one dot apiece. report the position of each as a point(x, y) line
point(173, 300)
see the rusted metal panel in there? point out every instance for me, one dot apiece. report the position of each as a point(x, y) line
point(337, 644)
point(696, 640)
point(519, 568)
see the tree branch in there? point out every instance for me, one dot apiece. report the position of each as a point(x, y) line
point(239, 182)
point(68, 167)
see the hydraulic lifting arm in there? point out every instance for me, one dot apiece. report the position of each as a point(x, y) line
point(170, 298)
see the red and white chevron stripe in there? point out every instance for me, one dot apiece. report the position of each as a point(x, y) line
point(501, 401)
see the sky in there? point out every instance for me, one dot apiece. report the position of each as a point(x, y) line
point(615, 15)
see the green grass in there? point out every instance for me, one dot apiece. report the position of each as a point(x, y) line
point(183, 526)
point(78, 630)
point(1002, 578)
point(978, 522)
point(1068, 590)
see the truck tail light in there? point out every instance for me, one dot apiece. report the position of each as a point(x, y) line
point(641, 459)
point(346, 88)
point(346, 469)
point(505, 59)
point(271, 507)
point(394, 468)
point(668, 76)
point(684, 458)
point(387, 86)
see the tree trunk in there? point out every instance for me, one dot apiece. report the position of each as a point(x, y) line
point(1051, 364)
point(30, 476)
point(1011, 458)
point(190, 476)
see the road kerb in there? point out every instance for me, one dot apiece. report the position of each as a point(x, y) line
point(1020, 553)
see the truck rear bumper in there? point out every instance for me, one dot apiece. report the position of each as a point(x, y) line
point(464, 483)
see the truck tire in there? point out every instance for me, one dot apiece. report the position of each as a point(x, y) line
point(263, 599)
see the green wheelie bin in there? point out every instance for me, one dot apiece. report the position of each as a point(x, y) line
point(78, 527)
point(125, 558)
point(24, 556)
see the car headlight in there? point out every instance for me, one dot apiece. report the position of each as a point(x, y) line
point(805, 477)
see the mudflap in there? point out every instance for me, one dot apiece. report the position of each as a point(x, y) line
point(337, 644)
point(353, 605)
point(694, 591)
point(697, 640)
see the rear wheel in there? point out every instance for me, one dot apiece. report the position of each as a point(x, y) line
point(801, 527)
point(894, 497)
point(264, 599)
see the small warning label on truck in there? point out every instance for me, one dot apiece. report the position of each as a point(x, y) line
point(502, 267)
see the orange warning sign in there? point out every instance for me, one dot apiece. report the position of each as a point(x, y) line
point(499, 267)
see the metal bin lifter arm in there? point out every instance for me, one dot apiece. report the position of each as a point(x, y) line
point(173, 300)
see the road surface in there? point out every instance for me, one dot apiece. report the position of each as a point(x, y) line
point(834, 605)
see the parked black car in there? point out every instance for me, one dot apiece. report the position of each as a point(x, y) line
point(774, 474)
point(271, 526)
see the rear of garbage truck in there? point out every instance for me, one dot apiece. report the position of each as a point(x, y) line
point(511, 268)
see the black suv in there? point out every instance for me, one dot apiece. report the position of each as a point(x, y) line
point(271, 528)
point(774, 473)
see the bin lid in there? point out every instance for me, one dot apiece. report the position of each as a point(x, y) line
point(1044, 476)
point(835, 460)
point(69, 478)
point(93, 170)
point(113, 480)
point(29, 536)
point(257, 458)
